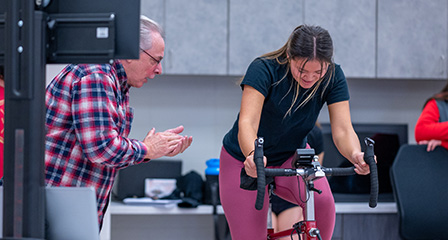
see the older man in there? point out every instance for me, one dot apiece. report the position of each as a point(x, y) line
point(88, 120)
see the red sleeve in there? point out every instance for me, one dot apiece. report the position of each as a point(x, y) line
point(445, 144)
point(428, 126)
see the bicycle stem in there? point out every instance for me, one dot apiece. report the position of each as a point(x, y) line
point(309, 213)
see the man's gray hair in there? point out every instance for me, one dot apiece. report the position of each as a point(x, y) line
point(147, 28)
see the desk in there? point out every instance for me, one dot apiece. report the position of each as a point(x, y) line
point(359, 221)
point(169, 221)
point(197, 223)
point(363, 208)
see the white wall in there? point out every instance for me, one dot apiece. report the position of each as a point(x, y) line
point(207, 107)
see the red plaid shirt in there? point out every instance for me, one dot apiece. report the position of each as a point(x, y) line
point(88, 120)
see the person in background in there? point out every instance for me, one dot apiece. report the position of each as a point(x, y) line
point(284, 213)
point(283, 93)
point(2, 118)
point(88, 120)
point(432, 125)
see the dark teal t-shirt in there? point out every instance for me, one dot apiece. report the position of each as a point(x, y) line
point(283, 134)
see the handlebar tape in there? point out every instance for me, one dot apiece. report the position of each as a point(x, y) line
point(261, 178)
point(280, 172)
point(339, 171)
point(369, 158)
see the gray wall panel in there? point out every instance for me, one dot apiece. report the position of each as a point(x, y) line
point(351, 24)
point(412, 38)
point(196, 37)
point(259, 26)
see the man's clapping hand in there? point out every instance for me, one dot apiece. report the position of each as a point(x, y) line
point(168, 143)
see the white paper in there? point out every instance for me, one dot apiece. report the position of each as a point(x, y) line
point(157, 188)
point(151, 202)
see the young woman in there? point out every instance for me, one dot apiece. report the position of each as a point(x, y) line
point(283, 93)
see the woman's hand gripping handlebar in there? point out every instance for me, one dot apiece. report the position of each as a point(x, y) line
point(369, 157)
point(312, 170)
point(261, 176)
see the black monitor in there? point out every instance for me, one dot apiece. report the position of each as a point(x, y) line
point(131, 180)
point(388, 139)
point(86, 31)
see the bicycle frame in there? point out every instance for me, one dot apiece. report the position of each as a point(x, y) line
point(308, 226)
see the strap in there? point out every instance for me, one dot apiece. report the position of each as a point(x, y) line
point(443, 110)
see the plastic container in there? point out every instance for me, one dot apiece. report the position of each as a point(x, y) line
point(212, 166)
point(212, 182)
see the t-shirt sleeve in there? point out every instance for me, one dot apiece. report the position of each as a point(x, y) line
point(258, 76)
point(337, 88)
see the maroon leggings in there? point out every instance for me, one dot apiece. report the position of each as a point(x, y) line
point(245, 222)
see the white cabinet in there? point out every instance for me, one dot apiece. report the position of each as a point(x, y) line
point(412, 39)
point(257, 27)
point(352, 26)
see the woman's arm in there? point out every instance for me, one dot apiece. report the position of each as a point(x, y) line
point(344, 136)
point(250, 114)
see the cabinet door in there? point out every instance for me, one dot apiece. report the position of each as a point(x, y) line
point(259, 26)
point(195, 37)
point(412, 39)
point(352, 26)
point(154, 9)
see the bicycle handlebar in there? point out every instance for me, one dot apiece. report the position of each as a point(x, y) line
point(314, 172)
point(261, 178)
point(369, 157)
point(275, 172)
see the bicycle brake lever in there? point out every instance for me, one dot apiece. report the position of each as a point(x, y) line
point(369, 141)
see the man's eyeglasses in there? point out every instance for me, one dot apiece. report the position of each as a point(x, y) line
point(153, 58)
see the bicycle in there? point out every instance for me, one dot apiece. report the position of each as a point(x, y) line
point(306, 165)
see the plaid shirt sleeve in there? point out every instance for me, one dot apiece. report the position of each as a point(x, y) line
point(102, 119)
